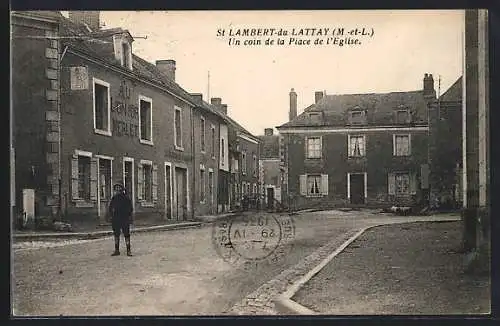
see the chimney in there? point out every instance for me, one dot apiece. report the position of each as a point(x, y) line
point(90, 18)
point(318, 96)
point(167, 67)
point(197, 97)
point(217, 101)
point(268, 131)
point(429, 85)
point(293, 105)
point(223, 108)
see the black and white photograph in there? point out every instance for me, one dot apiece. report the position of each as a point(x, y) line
point(250, 163)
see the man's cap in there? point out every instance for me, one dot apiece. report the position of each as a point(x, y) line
point(118, 186)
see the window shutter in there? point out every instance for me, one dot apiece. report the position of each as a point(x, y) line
point(303, 184)
point(74, 177)
point(140, 181)
point(391, 184)
point(413, 183)
point(155, 183)
point(324, 184)
point(93, 179)
point(306, 147)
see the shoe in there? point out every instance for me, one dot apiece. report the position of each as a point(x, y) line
point(129, 254)
point(116, 253)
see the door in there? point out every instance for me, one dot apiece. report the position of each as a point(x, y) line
point(104, 185)
point(357, 192)
point(181, 193)
point(270, 198)
point(168, 192)
point(128, 179)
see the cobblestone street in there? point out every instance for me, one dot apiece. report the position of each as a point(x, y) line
point(172, 273)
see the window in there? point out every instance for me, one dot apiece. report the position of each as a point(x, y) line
point(402, 116)
point(244, 162)
point(147, 189)
point(178, 128)
point(223, 152)
point(126, 54)
point(401, 145)
point(402, 182)
point(102, 107)
point(202, 185)
point(356, 146)
point(145, 121)
point(202, 134)
point(255, 188)
point(314, 117)
point(213, 142)
point(84, 178)
point(357, 117)
point(313, 147)
point(313, 184)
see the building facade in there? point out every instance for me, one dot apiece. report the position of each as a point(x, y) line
point(88, 113)
point(35, 114)
point(270, 169)
point(359, 149)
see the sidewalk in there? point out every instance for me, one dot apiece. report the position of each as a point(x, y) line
point(412, 268)
point(93, 230)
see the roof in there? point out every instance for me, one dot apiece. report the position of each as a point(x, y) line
point(332, 109)
point(99, 44)
point(269, 146)
point(454, 93)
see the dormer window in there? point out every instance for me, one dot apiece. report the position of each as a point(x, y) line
point(357, 117)
point(402, 116)
point(314, 116)
point(123, 50)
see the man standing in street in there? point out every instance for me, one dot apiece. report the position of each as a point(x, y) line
point(120, 210)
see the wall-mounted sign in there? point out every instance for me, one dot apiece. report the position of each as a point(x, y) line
point(125, 113)
point(79, 78)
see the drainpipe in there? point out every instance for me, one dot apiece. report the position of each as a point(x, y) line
point(59, 97)
point(193, 151)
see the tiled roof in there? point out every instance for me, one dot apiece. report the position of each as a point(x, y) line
point(454, 93)
point(99, 44)
point(379, 108)
point(269, 146)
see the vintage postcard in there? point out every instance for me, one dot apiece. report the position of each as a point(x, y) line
point(168, 163)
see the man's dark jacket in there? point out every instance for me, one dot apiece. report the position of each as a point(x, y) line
point(120, 208)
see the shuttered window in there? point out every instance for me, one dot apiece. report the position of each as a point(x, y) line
point(83, 178)
point(313, 185)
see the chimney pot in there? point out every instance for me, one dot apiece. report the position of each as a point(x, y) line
point(223, 108)
point(167, 67)
point(429, 85)
point(268, 131)
point(91, 18)
point(198, 96)
point(318, 96)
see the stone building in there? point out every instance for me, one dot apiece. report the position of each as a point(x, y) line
point(35, 112)
point(358, 149)
point(270, 169)
point(89, 113)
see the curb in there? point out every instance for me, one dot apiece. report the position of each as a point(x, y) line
point(284, 303)
point(100, 234)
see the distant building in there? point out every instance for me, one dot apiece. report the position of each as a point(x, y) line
point(358, 149)
point(270, 169)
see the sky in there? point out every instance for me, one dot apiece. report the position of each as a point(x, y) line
point(255, 81)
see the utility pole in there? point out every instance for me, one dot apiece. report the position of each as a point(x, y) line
point(208, 87)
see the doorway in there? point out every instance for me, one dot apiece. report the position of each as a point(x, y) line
point(181, 193)
point(168, 191)
point(128, 179)
point(357, 191)
point(270, 198)
point(105, 189)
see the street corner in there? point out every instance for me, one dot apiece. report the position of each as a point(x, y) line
point(253, 238)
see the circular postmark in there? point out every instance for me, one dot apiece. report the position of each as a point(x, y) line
point(253, 237)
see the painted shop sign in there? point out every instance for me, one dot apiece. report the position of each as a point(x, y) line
point(79, 78)
point(125, 113)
